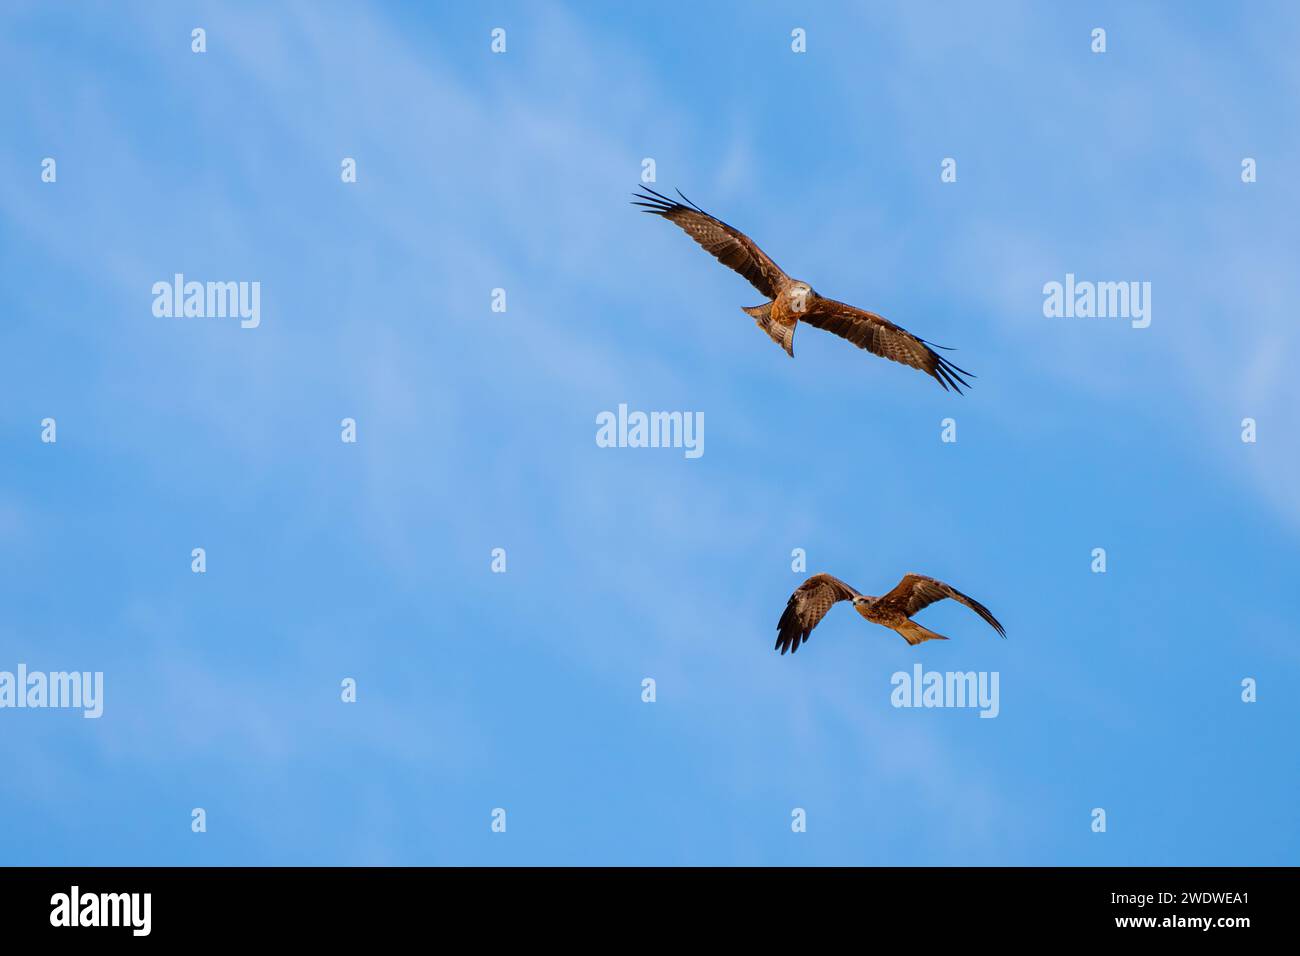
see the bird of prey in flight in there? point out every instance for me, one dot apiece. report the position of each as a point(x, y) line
point(791, 300)
point(812, 599)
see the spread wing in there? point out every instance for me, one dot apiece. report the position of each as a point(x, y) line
point(725, 243)
point(877, 334)
point(916, 591)
point(808, 605)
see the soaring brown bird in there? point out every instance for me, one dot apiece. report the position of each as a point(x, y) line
point(792, 300)
point(812, 599)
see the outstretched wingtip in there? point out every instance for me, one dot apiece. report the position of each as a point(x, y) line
point(666, 203)
point(945, 371)
point(653, 202)
point(985, 613)
point(945, 380)
point(948, 374)
point(653, 192)
point(689, 203)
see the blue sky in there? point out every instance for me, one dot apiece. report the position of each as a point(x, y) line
point(476, 430)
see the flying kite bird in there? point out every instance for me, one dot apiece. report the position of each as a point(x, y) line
point(791, 300)
point(812, 599)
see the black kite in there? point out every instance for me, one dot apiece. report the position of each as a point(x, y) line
point(812, 599)
point(792, 300)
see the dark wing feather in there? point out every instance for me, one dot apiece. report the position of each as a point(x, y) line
point(878, 335)
point(916, 591)
point(806, 607)
point(726, 243)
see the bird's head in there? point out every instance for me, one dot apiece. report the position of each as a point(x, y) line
point(862, 604)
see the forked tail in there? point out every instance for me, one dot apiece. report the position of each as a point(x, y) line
point(782, 335)
point(914, 633)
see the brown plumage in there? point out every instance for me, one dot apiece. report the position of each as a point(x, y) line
point(812, 599)
point(791, 300)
